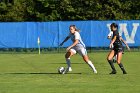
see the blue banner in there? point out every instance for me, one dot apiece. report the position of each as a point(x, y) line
point(51, 34)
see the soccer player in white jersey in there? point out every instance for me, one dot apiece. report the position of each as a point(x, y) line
point(77, 47)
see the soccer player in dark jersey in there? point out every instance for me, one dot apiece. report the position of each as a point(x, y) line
point(122, 40)
point(116, 50)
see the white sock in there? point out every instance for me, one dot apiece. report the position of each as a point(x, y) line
point(68, 62)
point(115, 57)
point(92, 66)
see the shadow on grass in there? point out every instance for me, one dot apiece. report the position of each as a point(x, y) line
point(65, 63)
point(36, 73)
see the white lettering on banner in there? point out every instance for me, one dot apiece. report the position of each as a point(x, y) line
point(108, 25)
point(123, 29)
point(129, 38)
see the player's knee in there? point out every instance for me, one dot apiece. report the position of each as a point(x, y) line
point(108, 58)
point(68, 54)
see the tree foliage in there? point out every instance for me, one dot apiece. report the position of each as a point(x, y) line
point(54, 10)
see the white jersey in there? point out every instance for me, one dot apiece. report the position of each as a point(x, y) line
point(75, 36)
point(80, 47)
point(110, 34)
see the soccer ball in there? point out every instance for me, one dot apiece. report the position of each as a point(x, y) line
point(61, 70)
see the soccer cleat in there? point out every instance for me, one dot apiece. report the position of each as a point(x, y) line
point(65, 71)
point(124, 72)
point(95, 71)
point(69, 69)
point(113, 72)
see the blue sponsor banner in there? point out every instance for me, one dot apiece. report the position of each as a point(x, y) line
point(51, 34)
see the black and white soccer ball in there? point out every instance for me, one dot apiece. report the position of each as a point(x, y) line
point(61, 70)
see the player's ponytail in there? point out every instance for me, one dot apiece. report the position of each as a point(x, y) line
point(75, 28)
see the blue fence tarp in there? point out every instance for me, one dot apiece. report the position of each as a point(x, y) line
point(51, 34)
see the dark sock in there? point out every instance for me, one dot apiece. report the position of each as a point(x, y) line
point(122, 68)
point(112, 65)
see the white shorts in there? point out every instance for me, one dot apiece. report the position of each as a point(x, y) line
point(81, 51)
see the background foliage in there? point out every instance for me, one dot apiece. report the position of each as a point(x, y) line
point(55, 10)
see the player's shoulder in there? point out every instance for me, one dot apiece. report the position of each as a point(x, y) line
point(116, 32)
point(76, 33)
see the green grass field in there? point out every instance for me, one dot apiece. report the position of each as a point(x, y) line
point(33, 73)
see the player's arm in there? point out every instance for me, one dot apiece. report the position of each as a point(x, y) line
point(64, 40)
point(112, 41)
point(76, 41)
point(125, 43)
point(74, 44)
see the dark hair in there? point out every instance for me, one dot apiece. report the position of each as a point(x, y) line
point(114, 25)
point(75, 28)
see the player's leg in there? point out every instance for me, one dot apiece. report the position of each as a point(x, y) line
point(86, 59)
point(114, 59)
point(119, 57)
point(83, 53)
point(109, 58)
point(70, 53)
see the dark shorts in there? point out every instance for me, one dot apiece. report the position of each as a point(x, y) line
point(118, 49)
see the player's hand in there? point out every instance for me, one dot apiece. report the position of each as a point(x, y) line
point(128, 48)
point(111, 46)
point(68, 49)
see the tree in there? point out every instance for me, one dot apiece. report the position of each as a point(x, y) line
point(13, 12)
point(54, 10)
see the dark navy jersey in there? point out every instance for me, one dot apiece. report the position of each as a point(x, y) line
point(117, 42)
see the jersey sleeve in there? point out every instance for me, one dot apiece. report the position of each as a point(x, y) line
point(115, 33)
point(77, 36)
